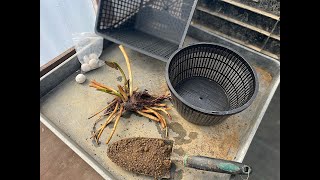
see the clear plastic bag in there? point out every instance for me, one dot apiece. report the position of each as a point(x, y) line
point(88, 47)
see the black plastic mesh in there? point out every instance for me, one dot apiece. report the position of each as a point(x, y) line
point(212, 77)
point(153, 27)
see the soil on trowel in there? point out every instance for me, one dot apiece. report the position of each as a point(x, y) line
point(148, 156)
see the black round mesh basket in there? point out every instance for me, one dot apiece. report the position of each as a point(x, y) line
point(209, 82)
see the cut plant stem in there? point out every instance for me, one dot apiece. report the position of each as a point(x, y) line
point(111, 103)
point(100, 117)
point(129, 69)
point(95, 133)
point(163, 110)
point(124, 95)
point(116, 66)
point(161, 105)
point(110, 92)
point(159, 116)
point(146, 111)
point(102, 86)
point(128, 99)
point(115, 124)
point(98, 133)
point(108, 120)
point(148, 116)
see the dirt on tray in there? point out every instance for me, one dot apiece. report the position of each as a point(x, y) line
point(148, 156)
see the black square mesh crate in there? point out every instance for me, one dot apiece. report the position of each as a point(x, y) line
point(153, 27)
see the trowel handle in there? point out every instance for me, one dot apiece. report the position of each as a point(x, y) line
point(216, 165)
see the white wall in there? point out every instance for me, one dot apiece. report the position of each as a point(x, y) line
point(58, 20)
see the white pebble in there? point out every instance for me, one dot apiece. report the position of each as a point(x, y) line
point(85, 67)
point(94, 63)
point(100, 63)
point(93, 56)
point(86, 59)
point(80, 78)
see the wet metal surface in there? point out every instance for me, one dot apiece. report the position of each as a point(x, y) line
point(69, 105)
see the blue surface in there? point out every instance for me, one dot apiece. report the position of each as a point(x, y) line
point(58, 20)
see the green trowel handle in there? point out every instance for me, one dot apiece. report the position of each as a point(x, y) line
point(216, 165)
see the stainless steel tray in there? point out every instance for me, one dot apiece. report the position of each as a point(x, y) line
point(66, 105)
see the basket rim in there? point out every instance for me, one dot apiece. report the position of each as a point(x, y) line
point(219, 113)
point(181, 41)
